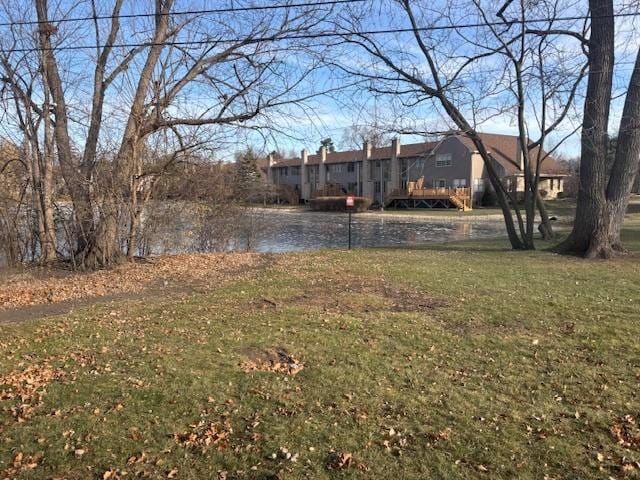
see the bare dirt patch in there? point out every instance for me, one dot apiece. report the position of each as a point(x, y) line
point(362, 295)
point(276, 359)
point(337, 290)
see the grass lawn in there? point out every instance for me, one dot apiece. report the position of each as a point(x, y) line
point(564, 207)
point(459, 361)
point(442, 212)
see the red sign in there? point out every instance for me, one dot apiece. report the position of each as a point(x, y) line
point(351, 201)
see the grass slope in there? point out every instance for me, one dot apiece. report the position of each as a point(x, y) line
point(459, 361)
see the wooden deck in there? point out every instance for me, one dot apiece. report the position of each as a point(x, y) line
point(459, 198)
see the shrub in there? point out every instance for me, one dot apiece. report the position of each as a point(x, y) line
point(489, 198)
point(338, 204)
point(562, 195)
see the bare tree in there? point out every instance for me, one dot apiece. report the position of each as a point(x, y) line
point(14, 183)
point(356, 135)
point(543, 82)
point(490, 69)
point(164, 75)
point(603, 193)
point(27, 105)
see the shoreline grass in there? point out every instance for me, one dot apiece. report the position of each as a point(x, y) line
point(465, 360)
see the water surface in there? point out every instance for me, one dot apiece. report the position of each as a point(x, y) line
point(286, 231)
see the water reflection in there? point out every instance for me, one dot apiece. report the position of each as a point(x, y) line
point(281, 231)
point(284, 232)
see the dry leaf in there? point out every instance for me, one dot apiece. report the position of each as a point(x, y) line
point(339, 460)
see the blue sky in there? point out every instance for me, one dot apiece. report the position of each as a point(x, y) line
point(303, 125)
point(333, 116)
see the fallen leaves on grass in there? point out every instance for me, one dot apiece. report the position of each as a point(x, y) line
point(205, 435)
point(137, 459)
point(626, 432)
point(34, 287)
point(285, 454)
point(27, 387)
point(440, 436)
point(337, 460)
point(628, 466)
point(22, 463)
point(113, 474)
point(172, 473)
point(395, 441)
point(270, 360)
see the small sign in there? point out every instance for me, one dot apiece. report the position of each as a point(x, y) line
point(351, 201)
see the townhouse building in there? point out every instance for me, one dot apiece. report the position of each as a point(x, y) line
point(405, 175)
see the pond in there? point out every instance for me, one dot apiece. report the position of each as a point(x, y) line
point(286, 231)
point(276, 230)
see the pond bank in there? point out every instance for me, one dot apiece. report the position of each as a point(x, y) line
point(463, 360)
point(427, 216)
point(448, 216)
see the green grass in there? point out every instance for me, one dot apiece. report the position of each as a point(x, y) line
point(559, 207)
point(463, 360)
point(445, 212)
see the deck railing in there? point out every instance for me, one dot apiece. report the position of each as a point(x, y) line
point(412, 191)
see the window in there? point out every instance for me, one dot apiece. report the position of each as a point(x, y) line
point(459, 182)
point(444, 160)
point(379, 169)
point(352, 187)
point(295, 171)
point(335, 167)
point(313, 174)
point(478, 185)
point(375, 170)
point(441, 183)
point(351, 167)
point(284, 171)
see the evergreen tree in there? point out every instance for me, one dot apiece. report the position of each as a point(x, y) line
point(328, 143)
point(247, 176)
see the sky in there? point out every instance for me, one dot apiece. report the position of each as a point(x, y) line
point(333, 117)
point(333, 100)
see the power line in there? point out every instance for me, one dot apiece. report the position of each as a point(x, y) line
point(208, 11)
point(310, 36)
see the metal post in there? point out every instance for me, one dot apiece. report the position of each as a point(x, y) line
point(349, 229)
point(381, 187)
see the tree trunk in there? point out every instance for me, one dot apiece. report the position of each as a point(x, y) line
point(545, 227)
point(134, 222)
point(78, 186)
point(461, 122)
point(40, 173)
point(625, 167)
point(589, 236)
point(48, 241)
point(604, 195)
